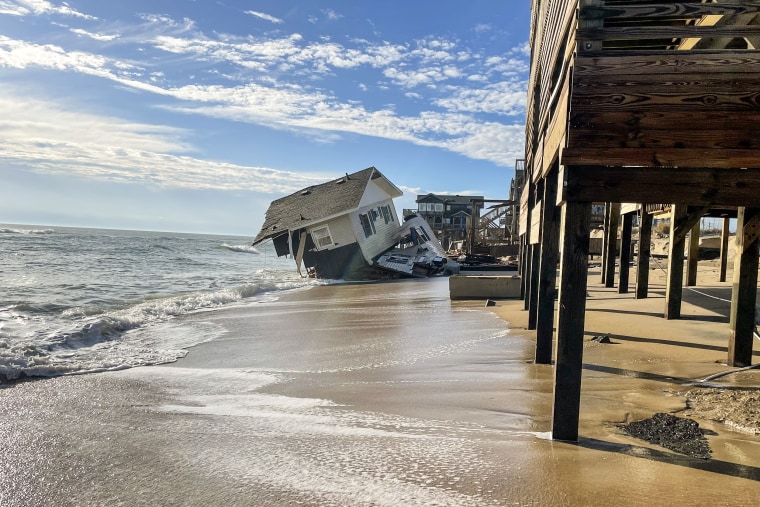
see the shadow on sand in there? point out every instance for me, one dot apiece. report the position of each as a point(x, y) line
point(708, 465)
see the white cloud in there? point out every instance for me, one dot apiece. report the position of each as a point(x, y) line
point(331, 14)
point(504, 98)
point(281, 75)
point(38, 7)
point(265, 17)
point(96, 36)
point(49, 139)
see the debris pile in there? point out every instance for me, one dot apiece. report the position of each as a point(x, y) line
point(675, 433)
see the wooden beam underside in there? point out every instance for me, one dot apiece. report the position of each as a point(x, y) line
point(705, 187)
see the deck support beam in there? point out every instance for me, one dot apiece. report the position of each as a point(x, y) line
point(693, 259)
point(605, 228)
point(645, 251)
point(574, 230)
point(625, 253)
point(535, 258)
point(725, 233)
point(682, 220)
point(550, 221)
point(610, 244)
point(744, 295)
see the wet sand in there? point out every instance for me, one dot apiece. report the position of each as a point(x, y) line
point(384, 394)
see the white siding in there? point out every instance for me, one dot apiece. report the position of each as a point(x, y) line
point(373, 196)
point(385, 235)
point(341, 230)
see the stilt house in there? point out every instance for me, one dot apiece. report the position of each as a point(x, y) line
point(635, 101)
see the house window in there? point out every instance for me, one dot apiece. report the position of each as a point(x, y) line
point(322, 238)
point(387, 216)
point(367, 225)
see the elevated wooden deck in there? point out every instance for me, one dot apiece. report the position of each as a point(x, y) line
point(641, 102)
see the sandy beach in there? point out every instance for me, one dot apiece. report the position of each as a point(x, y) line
point(390, 394)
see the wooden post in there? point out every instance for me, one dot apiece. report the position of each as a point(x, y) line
point(535, 257)
point(528, 264)
point(724, 235)
point(682, 220)
point(571, 315)
point(625, 253)
point(606, 228)
point(674, 287)
point(693, 263)
point(744, 294)
point(610, 244)
point(535, 239)
point(550, 222)
point(645, 250)
point(521, 258)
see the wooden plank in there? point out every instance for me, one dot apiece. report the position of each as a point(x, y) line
point(674, 285)
point(642, 260)
point(571, 315)
point(524, 208)
point(625, 253)
point(714, 187)
point(666, 63)
point(555, 135)
point(725, 232)
point(547, 271)
point(610, 244)
point(744, 294)
point(693, 258)
point(659, 10)
point(621, 136)
point(633, 121)
point(666, 32)
point(699, 79)
point(623, 99)
point(535, 223)
point(660, 157)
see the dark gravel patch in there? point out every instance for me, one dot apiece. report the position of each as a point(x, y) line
point(675, 433)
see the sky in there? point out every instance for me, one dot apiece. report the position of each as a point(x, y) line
point(193, 115)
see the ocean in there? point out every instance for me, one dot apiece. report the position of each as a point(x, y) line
point(72, 300)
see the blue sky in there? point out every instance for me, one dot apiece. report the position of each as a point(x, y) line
point(193, 115)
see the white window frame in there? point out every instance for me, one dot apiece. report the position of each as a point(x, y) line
point(318, 237)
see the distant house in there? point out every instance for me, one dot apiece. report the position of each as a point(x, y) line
point(336, 229)
point(448, 215)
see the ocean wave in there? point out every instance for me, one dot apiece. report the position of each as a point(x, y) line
point(96, 342)
point(241, 248)
point(26, 231)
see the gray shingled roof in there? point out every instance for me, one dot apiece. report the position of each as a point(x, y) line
point(315, 203)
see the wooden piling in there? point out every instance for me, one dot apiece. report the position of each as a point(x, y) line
point(625, 253)
point(744, 295)
point(645, 250)
point(574, 228)
point(724, 235)
point(605, 228)
point(550, 223)
point(693, 259)
point(610, 244)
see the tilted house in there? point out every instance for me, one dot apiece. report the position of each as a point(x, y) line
point(636, 101)
point(336, 229)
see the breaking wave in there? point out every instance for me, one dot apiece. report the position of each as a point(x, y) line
point(96, 340)
point(240, 248)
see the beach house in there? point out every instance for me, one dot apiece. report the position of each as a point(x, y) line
point(642, 102)
point(335, 229)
